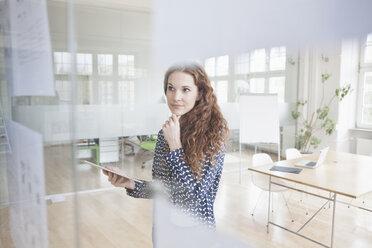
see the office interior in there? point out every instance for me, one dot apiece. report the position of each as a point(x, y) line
point(108, 98)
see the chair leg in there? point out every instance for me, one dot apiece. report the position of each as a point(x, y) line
point(286, 204)
point(258, 199)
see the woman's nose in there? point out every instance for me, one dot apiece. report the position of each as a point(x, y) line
point(177, 95)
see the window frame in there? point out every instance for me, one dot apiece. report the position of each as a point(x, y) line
point(363, 68)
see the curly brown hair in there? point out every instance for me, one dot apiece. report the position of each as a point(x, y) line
point(203, 129)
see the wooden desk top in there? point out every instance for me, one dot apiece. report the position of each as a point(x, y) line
point(342, 173)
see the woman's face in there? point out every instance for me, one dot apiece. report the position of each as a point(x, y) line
point(182, 93)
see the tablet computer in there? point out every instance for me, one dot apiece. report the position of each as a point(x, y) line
point(122, 174)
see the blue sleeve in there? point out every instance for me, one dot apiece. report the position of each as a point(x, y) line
point(141, 190)
point(187, 184)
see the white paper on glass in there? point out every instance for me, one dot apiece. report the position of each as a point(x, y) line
point(28, 56)
point(26, 184)
point(259, 118)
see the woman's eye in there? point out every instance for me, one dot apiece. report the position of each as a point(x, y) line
point(170, 88)
point(186, 90)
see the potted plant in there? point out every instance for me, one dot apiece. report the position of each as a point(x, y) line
point(319, 120)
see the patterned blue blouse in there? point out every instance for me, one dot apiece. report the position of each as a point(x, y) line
point(195, 197)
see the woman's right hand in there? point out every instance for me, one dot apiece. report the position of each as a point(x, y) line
point(118, 181)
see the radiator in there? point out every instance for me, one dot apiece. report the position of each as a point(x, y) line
point(364, 146)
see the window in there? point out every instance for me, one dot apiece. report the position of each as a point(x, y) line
point(242, 64)
point(365, 86)
point(241, 87)
point(126, 66)
point(62, 62)
point(277, 58)
point(257, 85)
point(261, 71)
point(368, 50)
point(126, 93)
point(84, 64)
point(217, 69)
point(63, 89)
point(105, 64)
point(258, 60)
point(277, 85)
point(106, 92)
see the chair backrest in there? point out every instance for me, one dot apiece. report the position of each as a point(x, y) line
point(258, 179)
point(292, 153)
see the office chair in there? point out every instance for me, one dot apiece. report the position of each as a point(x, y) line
point(149, 145)
point(262, 181)
point(292, 153)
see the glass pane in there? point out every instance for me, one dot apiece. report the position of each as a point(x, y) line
point(367, 98)
point(105, 64)
point(257, 85)
point(368, 50)
point(126, 93)
point(63, 89)
point(222, 65)
point(241, 87)
point(222, 90)
point(367, 115)
point(367, 81)
point(84, 64)
point(126, 65)
point(277, 85)
point(62, 62)
point(277, 58)
point(210, 65)
point(106, 92)
point(258, 60)
point(242, 64)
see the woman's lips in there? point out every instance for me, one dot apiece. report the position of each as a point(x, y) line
point(176, 106)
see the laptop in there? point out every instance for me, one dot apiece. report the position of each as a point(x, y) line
point(314, 164)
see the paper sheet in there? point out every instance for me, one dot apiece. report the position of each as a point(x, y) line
point(25, 173)
point(28, 56)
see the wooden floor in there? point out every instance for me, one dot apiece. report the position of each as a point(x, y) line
point(109, 218)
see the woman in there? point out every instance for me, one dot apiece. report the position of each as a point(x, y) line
point(190, 148)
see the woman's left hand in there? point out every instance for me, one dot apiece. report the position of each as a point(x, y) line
point(172, 133)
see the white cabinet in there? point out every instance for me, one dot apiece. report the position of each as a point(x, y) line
point(109, 150)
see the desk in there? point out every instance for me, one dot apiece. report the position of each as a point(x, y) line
point(90, 146)
point(341, 174)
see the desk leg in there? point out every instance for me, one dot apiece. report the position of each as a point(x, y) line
point(333, 218)
point(268, 208)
